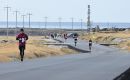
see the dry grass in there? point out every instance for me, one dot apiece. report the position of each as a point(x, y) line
point(34, 49)
point(110, 37)
point(115, 35)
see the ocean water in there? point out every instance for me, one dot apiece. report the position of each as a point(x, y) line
point(64, 25)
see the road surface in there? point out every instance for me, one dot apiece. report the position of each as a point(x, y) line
point(103, 63)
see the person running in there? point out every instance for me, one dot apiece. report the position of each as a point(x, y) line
point(52, 36)
point(75, 38)
point(22, 37)
point(55, 34)
point(65, 36)
point(90, 44)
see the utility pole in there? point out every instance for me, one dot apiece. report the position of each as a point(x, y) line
point(29, 22)
point(16, 24)
point(108, 26)
point(60, 24)
point(81, 25)
point(46, 22)
point(60, 30)
point(7, 8)
point(23, 20)
point(72, 23)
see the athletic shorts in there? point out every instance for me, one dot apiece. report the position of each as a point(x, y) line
point(90, 44)
point(22, 47)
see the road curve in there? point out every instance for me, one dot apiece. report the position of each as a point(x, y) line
point(103, 63)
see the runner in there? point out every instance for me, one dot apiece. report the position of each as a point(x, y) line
point(65, 36)
point(75, 36)
point(55, 34)
point(22, 37)
point(90, 44)
point(52, 35)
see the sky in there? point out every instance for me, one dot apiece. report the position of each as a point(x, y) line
point(101, 10)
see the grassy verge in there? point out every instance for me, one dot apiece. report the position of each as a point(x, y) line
point(122, 39)
point(34, 49)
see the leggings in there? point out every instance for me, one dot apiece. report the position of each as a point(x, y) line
point(21, 49)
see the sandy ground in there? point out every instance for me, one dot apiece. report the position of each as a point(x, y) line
point(34, 49)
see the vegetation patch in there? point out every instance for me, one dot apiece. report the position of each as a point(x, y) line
point(34, 49)
point(122, 39)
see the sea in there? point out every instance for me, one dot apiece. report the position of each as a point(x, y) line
point(63, 25)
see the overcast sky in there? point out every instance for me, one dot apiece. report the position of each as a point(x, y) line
point(101, 10)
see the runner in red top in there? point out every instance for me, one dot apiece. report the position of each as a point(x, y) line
point(22, 37)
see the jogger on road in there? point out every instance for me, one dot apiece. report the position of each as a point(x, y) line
point(90, 44)
point(22, 37)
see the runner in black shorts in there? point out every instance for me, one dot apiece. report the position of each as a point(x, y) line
point(90, 44)
point(22, 37)
point(75, 38)
point(75, 41)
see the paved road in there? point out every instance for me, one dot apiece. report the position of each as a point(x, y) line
point(103, 63)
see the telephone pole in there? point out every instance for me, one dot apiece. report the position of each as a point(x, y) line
point(46, 22)
point(72, 23)
point(60, 22)
point(81, 25)
point(23, 20)
point(7, 8)
point(60, 30)
point(16, 24)
point(29, 22)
